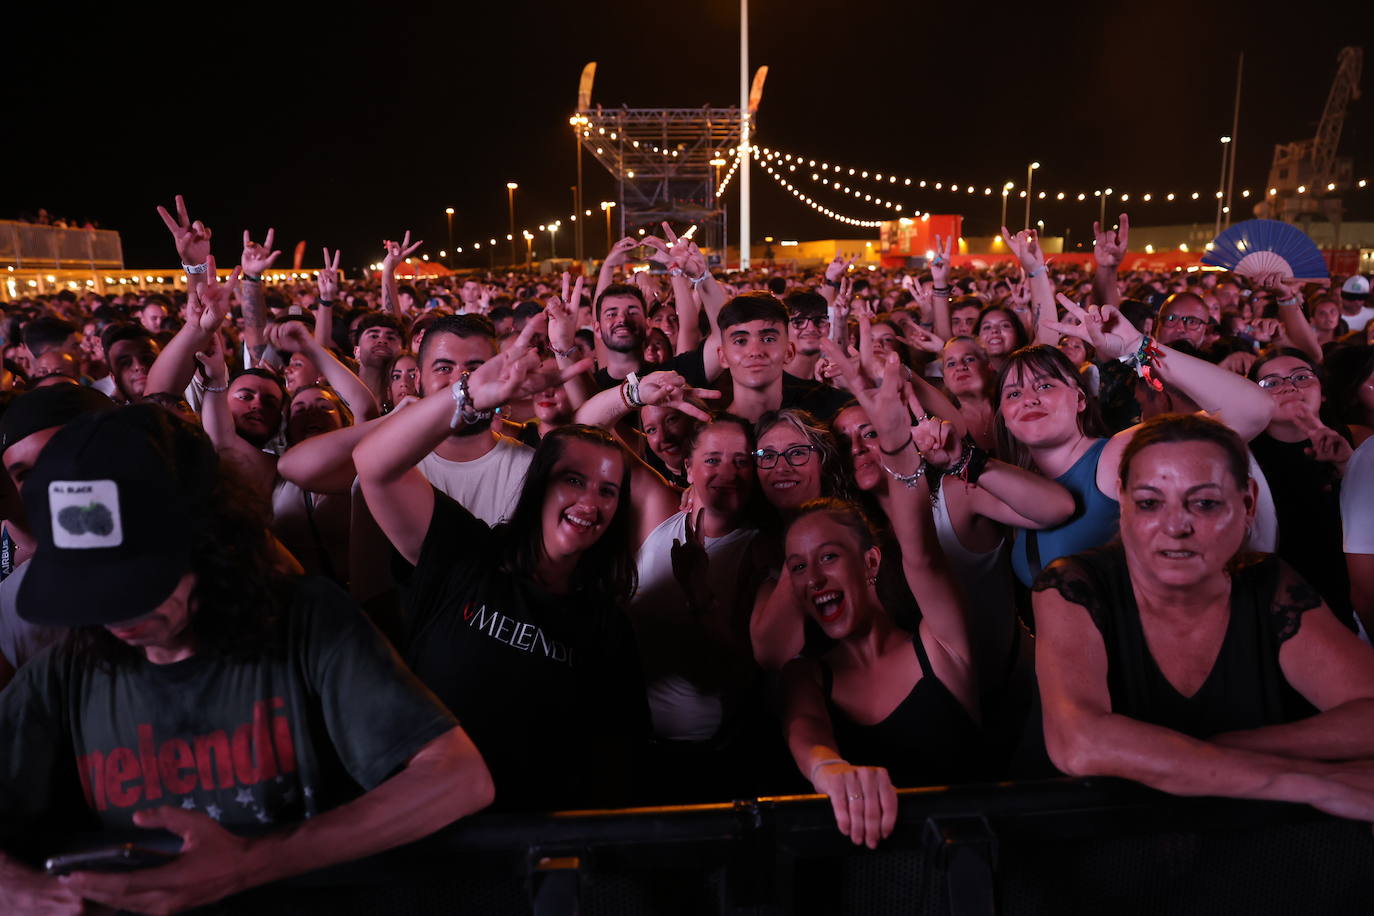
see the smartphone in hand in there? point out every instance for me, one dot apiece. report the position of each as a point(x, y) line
point(116, 857)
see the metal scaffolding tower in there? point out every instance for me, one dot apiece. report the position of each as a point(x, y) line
point(666, 162)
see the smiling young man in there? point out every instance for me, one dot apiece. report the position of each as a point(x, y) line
point(475, 465)
point(204, 692)
point(754, 346)
point(379, 340)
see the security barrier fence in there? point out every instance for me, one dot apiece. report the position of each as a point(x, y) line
point(1050, 847)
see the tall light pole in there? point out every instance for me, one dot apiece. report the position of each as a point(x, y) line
point(1006, 192)
point(1221, 183)
point(529, 249)
point(553, 250)
point(1030, 171)
point(744, 134)
point(1102, 208)
point(449, 214)
point(606, 207)
point(1235, 129)
point(510, 211)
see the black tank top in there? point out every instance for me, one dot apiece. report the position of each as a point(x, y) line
point(929, 739)
point(1246, 687)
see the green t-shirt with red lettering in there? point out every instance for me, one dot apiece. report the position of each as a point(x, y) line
point(273, 739)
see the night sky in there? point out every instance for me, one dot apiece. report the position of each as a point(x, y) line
point(345, 124)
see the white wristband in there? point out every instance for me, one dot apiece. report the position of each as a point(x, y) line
point(195, 268)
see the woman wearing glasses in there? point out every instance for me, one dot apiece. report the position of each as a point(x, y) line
point(1304, 459)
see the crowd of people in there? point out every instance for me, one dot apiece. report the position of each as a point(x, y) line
point(360, 558)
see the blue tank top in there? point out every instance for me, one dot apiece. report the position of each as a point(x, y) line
point(1093, 524)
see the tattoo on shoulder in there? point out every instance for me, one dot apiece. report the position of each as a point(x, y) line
point(1071, 584)
point(1293, 598)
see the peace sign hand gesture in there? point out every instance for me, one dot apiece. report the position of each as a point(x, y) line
point(397, 252)
point(192, 239)
point(939, 265)
point(1104, 327)
point(563, 315)
point(329, 277)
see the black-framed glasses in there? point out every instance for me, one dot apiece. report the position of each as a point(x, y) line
point(796, 456)
point(1303, 378)
point(1189, 321)
point(799, 322)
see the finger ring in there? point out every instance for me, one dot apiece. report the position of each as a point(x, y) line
point(856, 798)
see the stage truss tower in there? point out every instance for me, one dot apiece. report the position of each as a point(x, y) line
point(667, 163)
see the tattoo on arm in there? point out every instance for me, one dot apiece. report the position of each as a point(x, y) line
point(254, 319)
point(1293, 597)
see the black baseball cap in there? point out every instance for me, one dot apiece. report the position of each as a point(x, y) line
point(47, 407)
point(112, 502)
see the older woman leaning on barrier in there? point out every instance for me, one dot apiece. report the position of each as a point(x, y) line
point(1171, 659)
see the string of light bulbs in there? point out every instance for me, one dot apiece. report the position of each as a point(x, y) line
point(827, 173)
point(813, 204)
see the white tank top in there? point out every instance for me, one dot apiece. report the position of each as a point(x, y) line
point(673, 648)
point(986, 580)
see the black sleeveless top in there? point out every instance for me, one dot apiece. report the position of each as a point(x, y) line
point(1246, 687)
point(929, 739)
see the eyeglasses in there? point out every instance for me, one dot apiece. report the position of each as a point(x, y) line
point(1299, 379)
point(801, 321)
point(796, 456)
point(1189, 321)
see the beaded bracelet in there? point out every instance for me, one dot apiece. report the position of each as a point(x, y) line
point(906, 480)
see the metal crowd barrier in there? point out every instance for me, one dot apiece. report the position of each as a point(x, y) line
point(1052, 847)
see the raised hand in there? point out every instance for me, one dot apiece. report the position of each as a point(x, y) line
point(937, 440)
point(620, 251)
point(1104, 327)
point(1109, 248)
point(838, 267)
point(1020, 291)
point(1239, 362)
point(258, 258)
point(562, 312)
point(212, 364)
point(669, 389)
point(1326, 444)
point(192, 239)
point(1026, 246)
point(921, 339)
point(290, 336)
point(329, 277)
point(518, 371)
point(939, 265)
point(397, 252)
point(882, 402)
point(1265, 329)
point(215, 297)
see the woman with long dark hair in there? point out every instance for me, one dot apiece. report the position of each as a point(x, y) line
point(519, 628)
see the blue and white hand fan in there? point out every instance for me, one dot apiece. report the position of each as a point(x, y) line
point(1257, 247)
